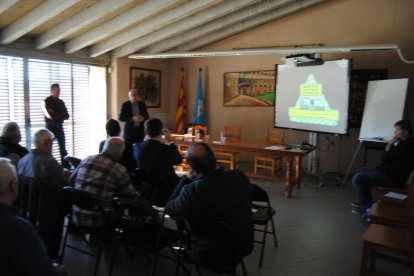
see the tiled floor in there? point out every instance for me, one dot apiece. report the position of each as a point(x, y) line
point(317, 235)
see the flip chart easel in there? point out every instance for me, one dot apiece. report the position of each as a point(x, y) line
point(384, 105)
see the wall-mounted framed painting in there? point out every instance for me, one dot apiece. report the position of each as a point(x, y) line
point(148, 84)
point(359, 85)
point(252, 88)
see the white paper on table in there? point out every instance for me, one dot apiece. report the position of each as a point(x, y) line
point(254, 210)
point(273, 148)
point(396, 196)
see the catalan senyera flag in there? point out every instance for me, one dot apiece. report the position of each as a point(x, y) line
point(181, 107)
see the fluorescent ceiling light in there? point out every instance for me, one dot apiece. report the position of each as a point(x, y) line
point(270, 51)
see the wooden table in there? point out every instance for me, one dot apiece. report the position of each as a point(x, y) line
point(293, 172)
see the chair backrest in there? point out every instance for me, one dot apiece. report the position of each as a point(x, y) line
point(232, 132)
point(201, 128)
point(41, 204)
point(276, 136)
point(410, 182)
point(36, 198)
point(81, 199)
point(227, 256)
point(259, 195)
point(135, 213)
point(152, 187)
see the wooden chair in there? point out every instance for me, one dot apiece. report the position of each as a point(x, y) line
point(268, 164)
point(380, 240)
point(391, 215)
point(230, 158)
point(202, 129)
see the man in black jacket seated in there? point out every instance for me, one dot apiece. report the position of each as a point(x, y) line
point(208, 196)
point(397, 164)
point(113, 129)
point(158, 158)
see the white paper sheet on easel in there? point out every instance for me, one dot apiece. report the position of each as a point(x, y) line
point(384, 105)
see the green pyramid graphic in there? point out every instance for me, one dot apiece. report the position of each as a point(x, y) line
point(312, 106)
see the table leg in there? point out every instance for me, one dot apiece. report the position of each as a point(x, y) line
point(289, 182)
point(298, 166)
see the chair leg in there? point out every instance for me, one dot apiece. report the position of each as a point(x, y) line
point(243, 267)
point(263, 245)
point(274, 232)
point(364, 259)
point(199, 270)
point(98, 258)
point(154, 264)
point(111, 266)
point(65, 239)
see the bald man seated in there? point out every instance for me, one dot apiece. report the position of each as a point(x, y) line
point(103, 176)
point(22, 251)
point(208, 197)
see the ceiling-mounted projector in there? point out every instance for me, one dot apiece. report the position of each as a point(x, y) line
point(306, 60)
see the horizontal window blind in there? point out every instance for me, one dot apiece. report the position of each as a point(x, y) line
point(76, 91)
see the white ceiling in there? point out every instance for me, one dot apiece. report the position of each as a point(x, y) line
point(124, 27)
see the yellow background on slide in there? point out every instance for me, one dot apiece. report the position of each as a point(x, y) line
point(311, 90)
point(315, 114)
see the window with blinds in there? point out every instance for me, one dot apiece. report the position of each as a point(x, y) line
point(12, 108)
point(76, 91)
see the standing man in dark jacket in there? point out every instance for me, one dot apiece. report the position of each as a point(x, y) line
point(397, 164)
point(207, 197)
point(134, 113)
point(55, 113)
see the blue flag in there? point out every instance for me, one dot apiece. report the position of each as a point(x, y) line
point(199, 106)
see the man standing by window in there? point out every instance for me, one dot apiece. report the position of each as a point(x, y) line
point(55, 113)
point(134, 113)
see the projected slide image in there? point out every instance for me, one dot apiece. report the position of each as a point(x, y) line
point(312, 107)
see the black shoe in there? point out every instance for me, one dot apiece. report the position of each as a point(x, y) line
point(356, 204)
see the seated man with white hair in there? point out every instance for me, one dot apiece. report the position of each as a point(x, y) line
point(39, 163)
point(9, 143)
point(104, 177)
point(22, 250)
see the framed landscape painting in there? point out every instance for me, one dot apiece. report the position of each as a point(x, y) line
point(253, 88)
point(148, 84)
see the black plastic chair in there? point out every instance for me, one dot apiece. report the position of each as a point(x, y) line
point(262, 215)
point(40, 204)
point(232, 254)
point(140, 226)
point(71, 163)
point(153, 187)
point(87, 201)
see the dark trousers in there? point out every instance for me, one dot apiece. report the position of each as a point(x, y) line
point(367, 177)
point(60, 137)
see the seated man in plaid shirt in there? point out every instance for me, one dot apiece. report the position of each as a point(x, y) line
point(103, 176)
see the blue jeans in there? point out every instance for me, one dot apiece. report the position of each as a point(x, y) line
point(365, 178)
